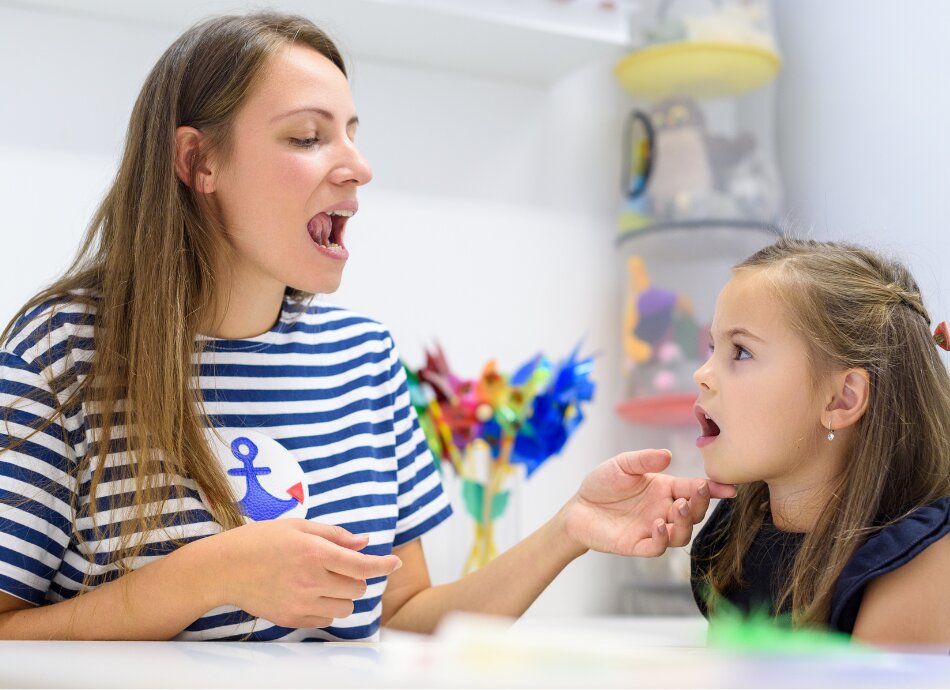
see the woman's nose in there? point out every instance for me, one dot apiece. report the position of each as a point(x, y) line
point(352, 168)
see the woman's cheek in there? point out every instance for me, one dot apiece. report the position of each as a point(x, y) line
point(297, 170)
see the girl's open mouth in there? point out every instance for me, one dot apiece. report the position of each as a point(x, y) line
point(710, 430)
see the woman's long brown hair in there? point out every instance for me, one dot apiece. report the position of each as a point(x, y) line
point(854, 309)
point(144, 268)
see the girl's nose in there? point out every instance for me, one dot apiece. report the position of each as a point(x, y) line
point(703, 375)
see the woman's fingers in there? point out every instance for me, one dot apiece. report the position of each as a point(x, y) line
point(319, 614)
point(335, 534)
point(343, 587)
point(718, 490)
point(356, 565)
point(640, 462)
point(288, 571)
point(657, 543)
point(680, 526)
point(698, 501)
point(334, 608)
point(680, 523)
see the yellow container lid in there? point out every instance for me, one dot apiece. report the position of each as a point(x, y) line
point(698, 69)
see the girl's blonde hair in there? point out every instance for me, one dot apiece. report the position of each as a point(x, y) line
point(145, 266)
point(854, 309)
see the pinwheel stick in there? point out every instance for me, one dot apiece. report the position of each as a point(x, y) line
point(483, 546)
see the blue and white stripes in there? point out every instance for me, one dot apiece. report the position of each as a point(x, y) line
point(325, 384)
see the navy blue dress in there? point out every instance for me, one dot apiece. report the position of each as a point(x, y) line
point(768, 561)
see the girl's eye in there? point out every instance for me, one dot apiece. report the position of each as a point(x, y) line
point(306, 143)
point(740, 353)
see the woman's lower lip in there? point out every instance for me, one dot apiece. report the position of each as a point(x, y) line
point(703, 441)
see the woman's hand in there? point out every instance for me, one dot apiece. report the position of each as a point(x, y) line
point(623, 507)
point(296, 573)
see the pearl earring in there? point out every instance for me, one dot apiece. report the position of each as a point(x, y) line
point(831, 434)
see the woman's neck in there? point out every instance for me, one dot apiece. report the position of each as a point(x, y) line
point(244, 307)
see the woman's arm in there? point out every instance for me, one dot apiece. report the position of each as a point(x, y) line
point(910, 605)
point(507, 586)
point(294, 573)
point(620, 508)
point(153, 603)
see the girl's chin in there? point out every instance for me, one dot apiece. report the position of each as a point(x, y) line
point(716, 473)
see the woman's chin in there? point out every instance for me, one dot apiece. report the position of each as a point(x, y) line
point(325, 285)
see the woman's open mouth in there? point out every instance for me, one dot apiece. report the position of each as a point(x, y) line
point(327, 229)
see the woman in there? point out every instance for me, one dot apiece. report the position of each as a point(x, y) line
point(192, 450)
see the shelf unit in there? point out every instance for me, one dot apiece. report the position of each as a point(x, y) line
point(535, 41)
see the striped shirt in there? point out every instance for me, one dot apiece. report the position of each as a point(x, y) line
point(311, 419)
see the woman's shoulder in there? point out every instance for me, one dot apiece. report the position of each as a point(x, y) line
point(334, 322)
point(57, 323)
point(892, 547)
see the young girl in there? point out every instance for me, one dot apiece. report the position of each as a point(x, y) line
point(826, 400)
point(190, 448)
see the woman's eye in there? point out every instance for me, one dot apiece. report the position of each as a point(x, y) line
point(740, 353)
point(304, 143)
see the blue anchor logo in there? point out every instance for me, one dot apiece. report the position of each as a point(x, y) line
point(257, 504)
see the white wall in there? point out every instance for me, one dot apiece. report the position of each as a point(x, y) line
point(489, 225)
point(864, 140)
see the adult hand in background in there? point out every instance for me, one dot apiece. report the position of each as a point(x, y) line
point(624, 506)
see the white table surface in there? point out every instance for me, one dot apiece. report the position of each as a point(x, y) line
point(467, 652)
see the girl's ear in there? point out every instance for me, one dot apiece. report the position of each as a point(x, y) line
point(852, 392)
point(188, 141)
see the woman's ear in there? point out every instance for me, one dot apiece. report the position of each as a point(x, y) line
point(851, 394)
point(188, 142)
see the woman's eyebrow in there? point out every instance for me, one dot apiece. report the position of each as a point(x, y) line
point(325, 114)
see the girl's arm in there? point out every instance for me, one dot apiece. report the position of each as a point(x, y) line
point(910, 605)
point(620, 508)
point(294, 573)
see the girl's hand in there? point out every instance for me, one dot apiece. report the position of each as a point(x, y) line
point(296, 573)
point(622, 507)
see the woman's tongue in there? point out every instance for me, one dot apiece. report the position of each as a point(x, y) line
point(319, 228)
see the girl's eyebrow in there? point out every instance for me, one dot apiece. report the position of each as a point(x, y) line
point(743, 331)
point(325, 114)
point(732, 332)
